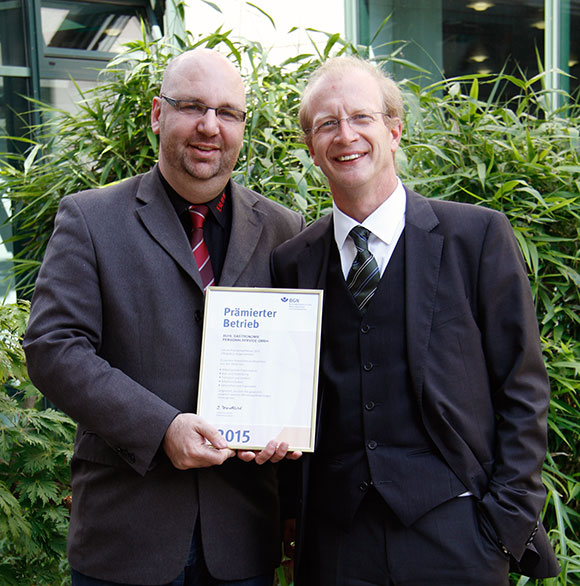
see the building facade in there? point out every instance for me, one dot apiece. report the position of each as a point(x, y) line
point(444, 37)
point(47, 49)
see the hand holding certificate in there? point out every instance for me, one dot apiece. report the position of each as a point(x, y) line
point(259, 365)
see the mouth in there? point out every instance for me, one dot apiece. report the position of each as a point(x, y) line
point(351, 157)
point(204, 151)
point(204, 148)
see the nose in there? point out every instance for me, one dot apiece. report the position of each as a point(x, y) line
point(344, 132)
point(208, 124)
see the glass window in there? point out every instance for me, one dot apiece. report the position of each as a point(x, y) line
point(11, 28)
point(89, 26)
point(573, 54)
point(12, 101)
point(486, 37)
point(62, 93)
point(79, 38)
point(459, 37)
point(7, 292)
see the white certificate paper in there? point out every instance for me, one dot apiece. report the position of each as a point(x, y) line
point(259, 365)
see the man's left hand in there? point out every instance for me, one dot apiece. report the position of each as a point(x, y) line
point(273, 452)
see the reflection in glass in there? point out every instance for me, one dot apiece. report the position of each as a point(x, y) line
point(12, 101)
point(506, 36)
point(89, 26)
point(452, 38)
point(573, 53)
point(12, 29)
point(63, 93)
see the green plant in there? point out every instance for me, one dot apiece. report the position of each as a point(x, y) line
point(524, 160)
point(35, 449)
point(109, 138)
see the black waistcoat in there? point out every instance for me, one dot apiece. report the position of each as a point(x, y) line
point(370, 431)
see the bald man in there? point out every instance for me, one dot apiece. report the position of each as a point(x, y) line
point(114, 341)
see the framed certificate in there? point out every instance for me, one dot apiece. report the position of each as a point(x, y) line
point(259, 365)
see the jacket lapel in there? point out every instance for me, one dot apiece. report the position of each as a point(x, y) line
point(313, 260)
point(423, 250)
point(160, 220)
point(244, 236)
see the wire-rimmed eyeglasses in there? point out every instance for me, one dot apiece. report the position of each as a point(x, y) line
point(355, 121)
point(197, 109)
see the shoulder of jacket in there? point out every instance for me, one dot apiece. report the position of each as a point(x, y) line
point(310, 235)
point(111, 190)
point(261, 202)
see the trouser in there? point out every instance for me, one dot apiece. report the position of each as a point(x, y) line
point(195, 573)
point(449, 546)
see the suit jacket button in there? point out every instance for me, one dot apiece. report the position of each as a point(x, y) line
point(372, 445)
point(368, 366)
point(369, 405)
point(363, 485)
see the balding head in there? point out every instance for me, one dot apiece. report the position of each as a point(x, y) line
point(204, 63)
point(199, 144)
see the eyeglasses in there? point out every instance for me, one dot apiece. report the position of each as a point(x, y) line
point(355, 121)
point(197, 109)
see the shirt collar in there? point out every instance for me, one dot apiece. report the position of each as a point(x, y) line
point(383, 222)
point(216, 205)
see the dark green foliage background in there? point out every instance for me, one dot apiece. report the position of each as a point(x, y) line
point(35, 449)
point(518, 157)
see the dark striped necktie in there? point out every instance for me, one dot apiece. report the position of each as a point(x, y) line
point(198, 214)
point(364, 276)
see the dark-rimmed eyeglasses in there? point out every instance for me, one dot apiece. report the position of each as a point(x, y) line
point(355, 121)
point(197, 109)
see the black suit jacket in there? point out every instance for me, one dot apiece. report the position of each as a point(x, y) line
point(474, 356)
point(114, 341)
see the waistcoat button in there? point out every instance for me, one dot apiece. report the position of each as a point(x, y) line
point(368, 366)
point(369, 405)
point(365, 329)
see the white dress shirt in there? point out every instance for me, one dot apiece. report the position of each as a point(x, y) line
point(386, 225)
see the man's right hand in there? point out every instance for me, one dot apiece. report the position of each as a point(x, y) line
point(186, 446)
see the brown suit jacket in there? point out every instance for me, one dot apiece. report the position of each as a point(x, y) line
point(114, 341)
point(474, 357)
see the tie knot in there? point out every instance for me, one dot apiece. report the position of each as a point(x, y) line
point(198, 214)
point(360, 237)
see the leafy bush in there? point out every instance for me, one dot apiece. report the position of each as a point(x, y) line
point(35, 449)
point(523, 160)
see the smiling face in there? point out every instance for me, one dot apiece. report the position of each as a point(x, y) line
point(357, 160)
point(198, 155)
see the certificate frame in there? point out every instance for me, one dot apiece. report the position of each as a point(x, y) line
point(260, 357)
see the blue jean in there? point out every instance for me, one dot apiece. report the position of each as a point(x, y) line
point(195, 573)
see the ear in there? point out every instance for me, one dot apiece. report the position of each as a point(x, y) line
point(396, 131)
point(155, 114)
point(311, 150)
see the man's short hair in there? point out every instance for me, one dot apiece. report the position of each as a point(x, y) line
point(392, 98)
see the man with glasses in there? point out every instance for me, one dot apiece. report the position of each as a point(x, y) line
point(433, 393)
point(114, 340)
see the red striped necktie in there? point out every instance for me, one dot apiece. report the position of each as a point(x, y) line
point(198, 214)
